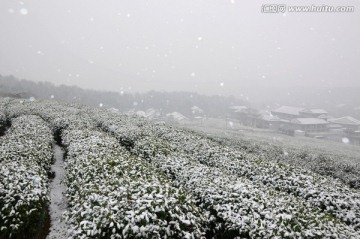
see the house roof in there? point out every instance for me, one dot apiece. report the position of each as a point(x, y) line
point(318, 111)
point(196, 109)
point(315, 111)
point(269, 117)
point(238, 108)
point(308, 121)
point(323, 116)
point(346, 120)
point(176, 115)
point(289, 110)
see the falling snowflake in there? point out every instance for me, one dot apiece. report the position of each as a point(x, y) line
point(222, 84)
point(345, 140)
point(24, 11)
point(101, 105)
point(193, 74)
point(52, 96)
point(199, 38)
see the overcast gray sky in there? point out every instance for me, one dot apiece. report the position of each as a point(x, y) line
point(208, 46)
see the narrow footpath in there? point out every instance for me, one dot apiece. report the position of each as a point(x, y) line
point(58, 202)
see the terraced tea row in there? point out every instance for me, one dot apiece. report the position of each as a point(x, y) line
point(148, 144)
point(342, 165)
point(25, 158)
point(112, 194)
point(3, 119)
point(328, 195)
point(128, 177)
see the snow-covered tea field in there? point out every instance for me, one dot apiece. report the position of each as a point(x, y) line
point(331, 159)
point(127, 177)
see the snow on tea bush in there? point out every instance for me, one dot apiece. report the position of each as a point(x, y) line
point(166, 182)
point(3, 106)
point(240, 208)
point(155, 149)
point(2, 117)
point(326, 194)
point(113, 194)
point(314, 159)
point(25, 157)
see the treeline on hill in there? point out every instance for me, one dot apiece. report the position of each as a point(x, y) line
point(166, 102)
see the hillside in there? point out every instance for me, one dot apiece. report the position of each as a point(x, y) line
point(126, 177)
point(163, 102)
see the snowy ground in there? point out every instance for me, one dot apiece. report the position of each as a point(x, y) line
point(130, 178)
point(58, 202)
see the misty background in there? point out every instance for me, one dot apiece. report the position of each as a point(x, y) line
point(227, 49)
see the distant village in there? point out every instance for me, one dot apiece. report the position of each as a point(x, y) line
point(296, 121)
point(289, 120)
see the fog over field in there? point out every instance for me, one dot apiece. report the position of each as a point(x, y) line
point(206, 46)
point(215, 119)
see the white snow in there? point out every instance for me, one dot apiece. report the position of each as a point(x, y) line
point(345, 140)
point(24, 11)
